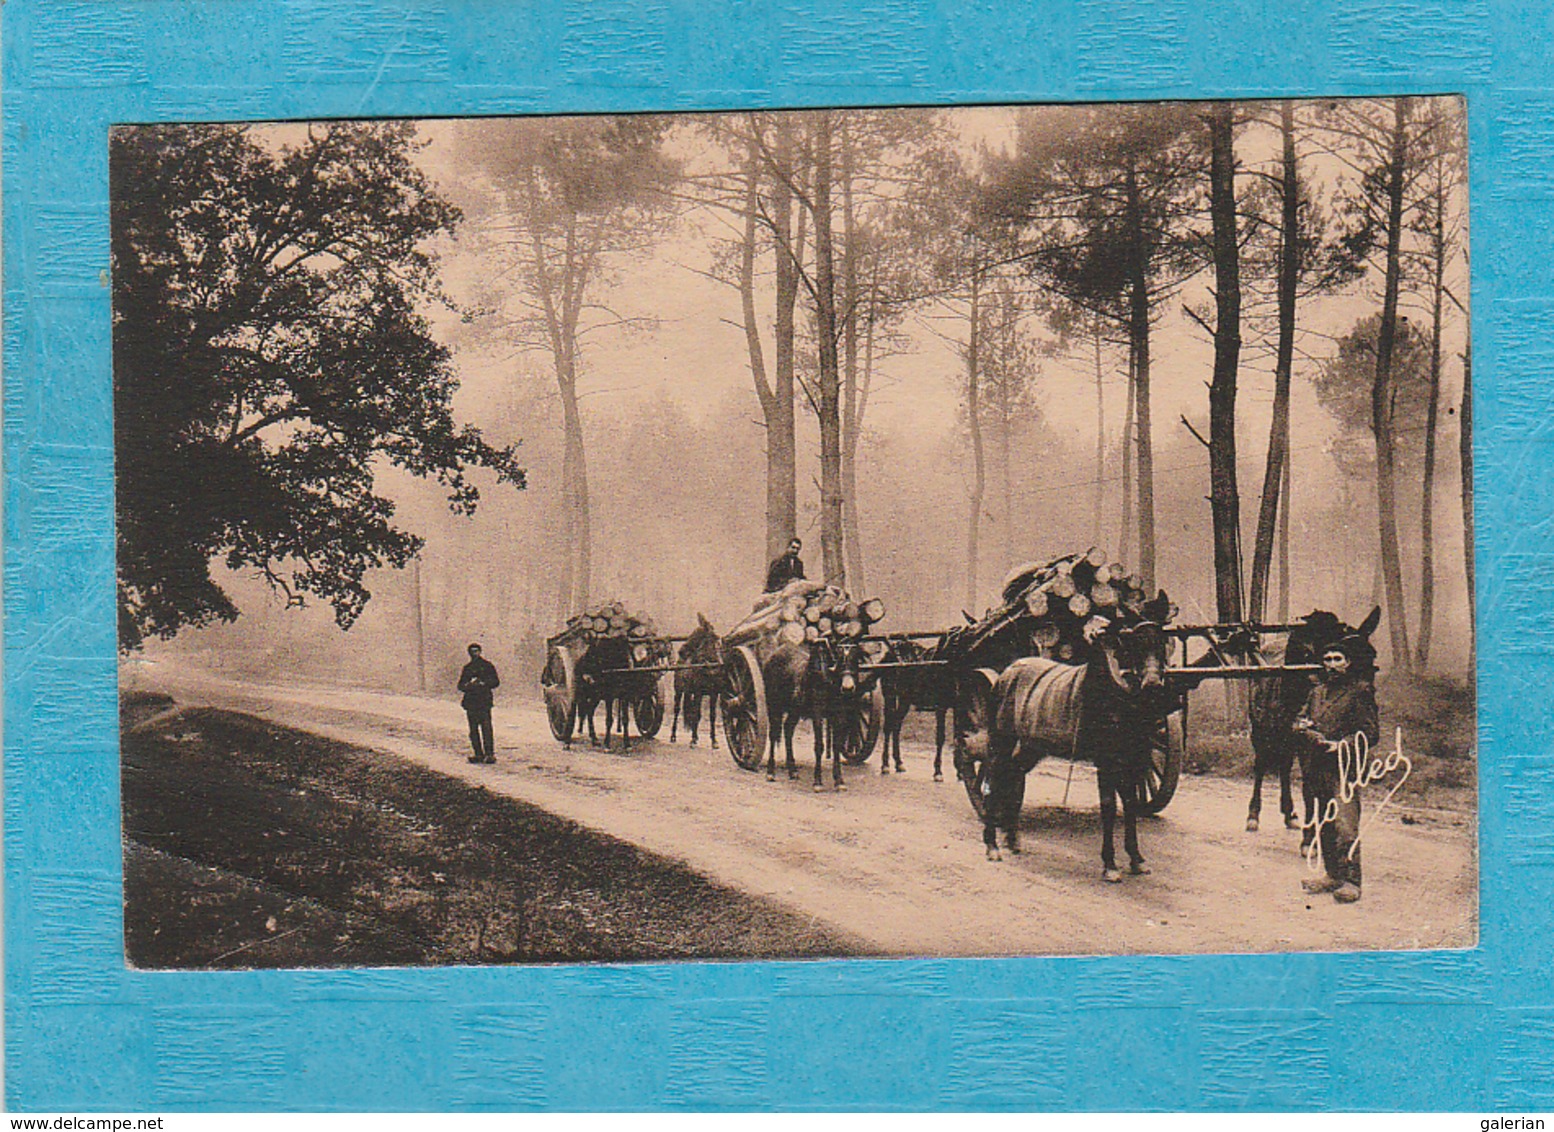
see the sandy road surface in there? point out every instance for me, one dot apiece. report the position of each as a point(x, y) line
point(897, 861)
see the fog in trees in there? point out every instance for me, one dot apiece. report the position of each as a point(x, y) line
point(1104, 201)
point(704, 332)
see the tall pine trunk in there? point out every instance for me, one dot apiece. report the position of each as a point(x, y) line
point(851, 422)
point(566, 578)
point(1275, 473)
point(1138, 330)
point(1284, 529)
point(1224, 494)
point(781, 447)
point(865, 381)
point(829, 400)
point(1465, 457)
point(1008, 336)
point(575, 491)
point(1006, 473)
point(1432, 417)
point(562, 305)
point(978, 464)
point(851, 540)
point(1100, 438)
point(1382, 395)
point(1129, 431)
point(779, 456)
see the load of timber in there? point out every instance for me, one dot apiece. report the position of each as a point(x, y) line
point(803, 612)
point(1052, 602)
point(607, 621)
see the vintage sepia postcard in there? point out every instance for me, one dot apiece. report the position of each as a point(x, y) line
point(626, 556)
point(1016, 530)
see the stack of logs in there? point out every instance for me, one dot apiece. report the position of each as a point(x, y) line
point(805, 612)
point(1064, 595)
point(607, 621)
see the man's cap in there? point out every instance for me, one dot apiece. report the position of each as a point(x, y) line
point(473, 646)
point(1359, 651)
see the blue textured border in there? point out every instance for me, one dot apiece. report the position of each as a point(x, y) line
point(1440, 1030)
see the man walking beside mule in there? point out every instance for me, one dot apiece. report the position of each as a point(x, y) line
point(1340, 710)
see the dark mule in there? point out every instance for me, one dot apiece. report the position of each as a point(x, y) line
point(601, 679)
point(1276, 701)
point(692, 685)
point(822, 682)
point(926, 688)
point(1104, 711)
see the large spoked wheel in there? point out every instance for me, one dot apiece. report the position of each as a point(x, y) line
point(559, 683)
point(859, 728)
point(1167, 748)
point(743, 703)
point(649, 711)
point(972, 715)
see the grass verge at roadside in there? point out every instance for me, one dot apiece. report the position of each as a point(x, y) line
point(252, 845)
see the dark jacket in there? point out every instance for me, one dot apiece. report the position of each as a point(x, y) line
point(1339, 710)
point(783, 570)
point(476, 681)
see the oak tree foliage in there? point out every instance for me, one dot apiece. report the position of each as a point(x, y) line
point(269, 353)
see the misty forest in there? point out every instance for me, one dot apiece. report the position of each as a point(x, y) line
point(386, 388)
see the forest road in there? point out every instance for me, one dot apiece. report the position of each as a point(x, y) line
point(897, 860)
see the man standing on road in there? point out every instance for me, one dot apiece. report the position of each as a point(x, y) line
point(476, 682)
point(1339, 710)
point(789, 567)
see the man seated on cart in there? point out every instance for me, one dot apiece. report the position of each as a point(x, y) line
point(786, 568)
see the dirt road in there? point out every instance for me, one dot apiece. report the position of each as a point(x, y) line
point(898, 860)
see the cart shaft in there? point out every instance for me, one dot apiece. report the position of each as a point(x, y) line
point(1243, 671)
point(1226, 628)
point(659, 669)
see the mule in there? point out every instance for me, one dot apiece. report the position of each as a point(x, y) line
point(1105, 711)
point(1277, 700)
point(618, 691)
point(692, 685)
point(822, 682)
point(913, 689)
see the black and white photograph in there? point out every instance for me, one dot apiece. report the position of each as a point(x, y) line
point(1010, 530)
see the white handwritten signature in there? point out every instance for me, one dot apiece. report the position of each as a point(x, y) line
point(1358, 767)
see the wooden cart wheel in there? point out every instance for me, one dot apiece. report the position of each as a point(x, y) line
point(860, 730)
point(649, 710)
point(1165, 761)
point(559, 683)
point(743, 703)
point(973, 699)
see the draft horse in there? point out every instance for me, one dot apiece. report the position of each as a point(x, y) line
point(1105, 710)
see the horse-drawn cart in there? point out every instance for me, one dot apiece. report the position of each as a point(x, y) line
point(747, 721)
point(605, 656)
point(1047, 611)
point(807, 628)
point(1227, 657)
